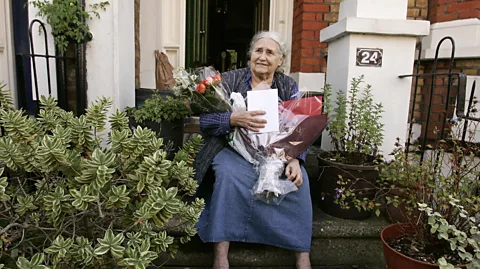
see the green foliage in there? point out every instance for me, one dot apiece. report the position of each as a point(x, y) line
point(438, 196)
point(157, 109)
point(77, 196)
point(464, 242)
point(6, 101)
point(354, 126)
point(68, 19)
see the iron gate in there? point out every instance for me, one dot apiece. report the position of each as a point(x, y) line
point(453, 85)
point(70, 75)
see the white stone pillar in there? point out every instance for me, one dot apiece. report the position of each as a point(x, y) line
point(365, 27)
point(111, 54)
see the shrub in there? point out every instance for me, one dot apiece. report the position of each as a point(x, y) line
point(76, 195)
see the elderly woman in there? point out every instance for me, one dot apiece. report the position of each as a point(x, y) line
point(231, 213)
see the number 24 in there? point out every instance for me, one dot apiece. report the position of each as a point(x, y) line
point(369, 56)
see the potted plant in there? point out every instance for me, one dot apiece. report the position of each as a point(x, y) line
point(76, 196)
point(442, 205)
point(68, 20)
point(439, 197)
point(164, 115)
point(356, 133)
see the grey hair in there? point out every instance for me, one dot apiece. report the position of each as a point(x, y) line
point(282, 47)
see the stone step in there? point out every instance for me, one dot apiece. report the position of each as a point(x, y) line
point(336, 243)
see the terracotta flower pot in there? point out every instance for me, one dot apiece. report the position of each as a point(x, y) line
point(396, 260)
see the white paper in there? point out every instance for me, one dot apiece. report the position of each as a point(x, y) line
point(266, 100)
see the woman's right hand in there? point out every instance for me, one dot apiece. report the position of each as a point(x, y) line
point(248, 120)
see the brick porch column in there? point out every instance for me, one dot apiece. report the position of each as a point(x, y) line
point(309, 62)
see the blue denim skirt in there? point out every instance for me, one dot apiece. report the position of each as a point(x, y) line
point(231, 213)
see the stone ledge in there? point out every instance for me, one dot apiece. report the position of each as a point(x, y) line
point(335, 242)
point(352, 25)
point(325, 226)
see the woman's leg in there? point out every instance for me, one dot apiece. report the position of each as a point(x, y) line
point(220, 252)
point(303, 260)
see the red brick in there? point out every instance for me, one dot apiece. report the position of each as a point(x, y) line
point(307, 52)
point(313, 61)
point(316, 7)
point(306, 68)
point(308, 16)
point(463, 6)
point(442, 2)
point(317, 52)
point(446, 17)
point(310, 25)
point(310, 68)
point(469, 14)
point(308, 35)
point(310, 43)
point(319, 17)
point(438, 99)
point(439, 82)
point(439, 90)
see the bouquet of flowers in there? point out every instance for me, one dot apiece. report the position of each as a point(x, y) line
point(301, 123)
point(202, 87)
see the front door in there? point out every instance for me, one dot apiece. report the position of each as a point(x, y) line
point(219, 31)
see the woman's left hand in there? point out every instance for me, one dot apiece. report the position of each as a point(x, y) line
point(294, 172)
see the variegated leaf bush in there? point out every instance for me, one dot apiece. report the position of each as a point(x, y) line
point(76, 194)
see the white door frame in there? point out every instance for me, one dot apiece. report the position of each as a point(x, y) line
point(281, 20)
point(7, 59)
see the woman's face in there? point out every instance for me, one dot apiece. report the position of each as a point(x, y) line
point(265, 57)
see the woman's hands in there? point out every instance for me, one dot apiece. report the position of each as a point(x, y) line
point(294, 172)
point(248, 120)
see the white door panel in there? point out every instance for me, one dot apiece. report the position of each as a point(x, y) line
point(7, 70)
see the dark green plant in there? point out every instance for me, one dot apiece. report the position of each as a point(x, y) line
point(75, 195)
point(157, 109)
point(354, 126)
point(68, 19)
point(438, 196)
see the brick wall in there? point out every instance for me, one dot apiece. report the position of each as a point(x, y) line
point(450, 10)
point(311, 16)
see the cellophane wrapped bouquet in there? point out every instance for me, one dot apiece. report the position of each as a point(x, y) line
point(203, 89)
point(301, 123)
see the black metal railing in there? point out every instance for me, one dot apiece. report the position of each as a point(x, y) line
point(69, 98)
point(453, 103)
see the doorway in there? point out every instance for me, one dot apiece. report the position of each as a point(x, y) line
point(219, 31)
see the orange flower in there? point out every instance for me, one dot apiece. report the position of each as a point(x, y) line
point(201, 88)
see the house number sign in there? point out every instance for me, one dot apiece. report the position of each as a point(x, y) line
point(369, 57)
